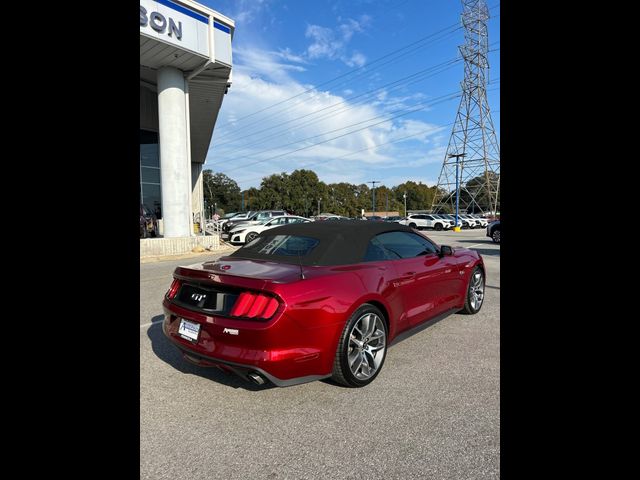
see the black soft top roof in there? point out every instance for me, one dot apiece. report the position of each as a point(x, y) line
point(341, 242)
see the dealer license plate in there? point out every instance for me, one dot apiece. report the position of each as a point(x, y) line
point(189, 330)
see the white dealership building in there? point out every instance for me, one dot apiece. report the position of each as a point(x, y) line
point(185, 71)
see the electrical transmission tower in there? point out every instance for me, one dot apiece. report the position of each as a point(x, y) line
point(473, 149)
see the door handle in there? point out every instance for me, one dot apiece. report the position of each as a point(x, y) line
point(408, 274)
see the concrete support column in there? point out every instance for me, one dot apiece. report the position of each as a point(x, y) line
point(197, 190)
point(175, 169)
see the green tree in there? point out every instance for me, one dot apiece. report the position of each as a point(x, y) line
point(342, 199)
point(220, 191)
point(363, 198)
point(419, 195)
point(273, 192)
point(477, 187)
point(303, 191)
point(251, 199)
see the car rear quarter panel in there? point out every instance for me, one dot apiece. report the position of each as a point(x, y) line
point(336, 292)
point(323, 302)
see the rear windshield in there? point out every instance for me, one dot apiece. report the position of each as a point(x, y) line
point(281, 245)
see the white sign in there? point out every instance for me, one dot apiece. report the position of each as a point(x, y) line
point(174, 23)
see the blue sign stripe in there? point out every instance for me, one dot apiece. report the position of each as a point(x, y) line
point(222, 27)
point(184, 10)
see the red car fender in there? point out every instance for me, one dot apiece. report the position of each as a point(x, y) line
point(378, 301)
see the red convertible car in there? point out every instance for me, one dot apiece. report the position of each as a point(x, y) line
point(308, 301)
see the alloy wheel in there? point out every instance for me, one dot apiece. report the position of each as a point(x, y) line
point(367, 341)
point(476, 290)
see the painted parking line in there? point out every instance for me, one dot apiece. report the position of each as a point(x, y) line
point(150, 323)
point(163, 277)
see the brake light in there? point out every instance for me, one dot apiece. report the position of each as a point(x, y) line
point(173, 289)
point(242, 305)
point(252, 305)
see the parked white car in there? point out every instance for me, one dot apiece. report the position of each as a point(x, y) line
point(472, 222)
point(450, 218)
point(425, 220)
point(480, 221)
point(246, 233)
point(228, 216)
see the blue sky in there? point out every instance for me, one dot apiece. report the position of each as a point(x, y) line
point(388, 117)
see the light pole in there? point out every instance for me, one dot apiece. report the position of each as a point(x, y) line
point(243, 201)
point(357, 212)
point(456, 228)
point(404, 195)
point(318, 207)
point(373, 190)
point(387, 205)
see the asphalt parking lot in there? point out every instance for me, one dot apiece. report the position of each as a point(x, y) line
point(433, 412)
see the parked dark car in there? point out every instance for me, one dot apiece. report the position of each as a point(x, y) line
point(148, 223)
point(493, 231)
point(314, 300)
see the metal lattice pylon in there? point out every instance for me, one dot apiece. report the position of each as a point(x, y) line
point(473, 133)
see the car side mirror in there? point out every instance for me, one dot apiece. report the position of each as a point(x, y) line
point(445, 250)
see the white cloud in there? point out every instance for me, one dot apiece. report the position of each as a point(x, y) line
point(264, 64)
point(248, 10)
point(324, 43)
point(356, 60)
point(332, 43)
point(354, 26)
point(287, 54)
point(239, 143)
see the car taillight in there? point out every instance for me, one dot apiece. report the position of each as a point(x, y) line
point(173, 289)
point(254, 305)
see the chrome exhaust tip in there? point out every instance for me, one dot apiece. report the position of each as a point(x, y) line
point(256, 378)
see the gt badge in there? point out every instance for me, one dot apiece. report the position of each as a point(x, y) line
point(231, 331)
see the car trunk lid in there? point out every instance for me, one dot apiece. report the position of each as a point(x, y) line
point(248, 273)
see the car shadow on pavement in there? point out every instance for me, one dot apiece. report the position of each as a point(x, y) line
point(170, 354)
point(488, 252)
point(477, 241)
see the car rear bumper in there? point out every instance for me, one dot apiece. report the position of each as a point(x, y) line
point(279, 350)
point(247, 372)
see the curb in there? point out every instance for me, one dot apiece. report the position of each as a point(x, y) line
point(160, 258)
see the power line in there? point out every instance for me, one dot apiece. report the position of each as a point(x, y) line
point(432, 129)
point(397, 140)
point(405, 111)
point(355, 70)
point(344, 82)
point(322, 134)
point(419, 77)
point(347, 73)
point(447, 65)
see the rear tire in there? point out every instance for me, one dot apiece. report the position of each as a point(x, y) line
point(495, 236)
point(362, 348)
